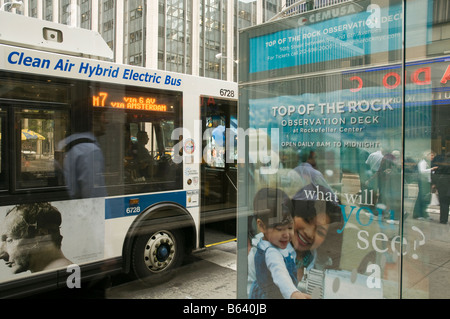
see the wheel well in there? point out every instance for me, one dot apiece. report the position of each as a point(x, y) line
point(166, 216)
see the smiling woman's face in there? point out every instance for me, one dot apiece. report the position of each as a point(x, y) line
point(309, 235)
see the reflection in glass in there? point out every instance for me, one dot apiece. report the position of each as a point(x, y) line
point(427, 141)
point(368, 113)
point(39, 132)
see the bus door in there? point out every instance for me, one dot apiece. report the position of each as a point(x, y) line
point(219, 167)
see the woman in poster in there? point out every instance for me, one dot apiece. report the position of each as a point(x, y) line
point(313, 217)
point(315, 213)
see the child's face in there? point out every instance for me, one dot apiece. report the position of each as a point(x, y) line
point(279, 236)
point(310, 235)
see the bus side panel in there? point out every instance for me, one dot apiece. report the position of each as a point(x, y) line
point(121, 212)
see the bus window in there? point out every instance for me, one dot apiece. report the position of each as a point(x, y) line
point(215, 141)
point(148, 146)
point(36, 133)
point(137, 144)
point(219, 166)
point(142, 152)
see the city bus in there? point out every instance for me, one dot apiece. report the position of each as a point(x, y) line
point(104, 167)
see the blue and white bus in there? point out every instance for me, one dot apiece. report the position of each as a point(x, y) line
point(104, 167)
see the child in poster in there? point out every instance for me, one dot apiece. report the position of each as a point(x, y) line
point(276, 272)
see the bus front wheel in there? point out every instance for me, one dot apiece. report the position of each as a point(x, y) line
point(157, 254)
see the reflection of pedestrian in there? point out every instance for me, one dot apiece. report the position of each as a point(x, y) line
point(441, 179)
point(353, 160)
point(411, 174)
point(83, 164)
point(374, 162)
point(424, 185)
point(274, 260)
point(31, 240)
point(306, 172)
point(389, 182)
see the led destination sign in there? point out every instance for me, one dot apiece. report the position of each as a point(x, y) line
point(141, 103)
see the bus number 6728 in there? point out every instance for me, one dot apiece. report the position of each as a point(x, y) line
point(133, 210)
point(227, 93)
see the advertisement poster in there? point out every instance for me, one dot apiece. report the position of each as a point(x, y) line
point(361, 33)
point(325, 142)
point(341, 125)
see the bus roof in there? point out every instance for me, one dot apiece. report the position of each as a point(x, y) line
point(43, 35)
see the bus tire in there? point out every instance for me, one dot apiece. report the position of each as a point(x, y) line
point(156, 255)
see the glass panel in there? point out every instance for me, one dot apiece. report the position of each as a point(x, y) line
point(13, 89)
point(427, 139)
point(84, 11)
point(218, 169)
point(212, 35)
point(134, 30)
point(321, 99)
point(65, 12)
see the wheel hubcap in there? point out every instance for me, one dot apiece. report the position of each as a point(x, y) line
point(159, 251)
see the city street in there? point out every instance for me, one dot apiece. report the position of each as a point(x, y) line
point(210, 274)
